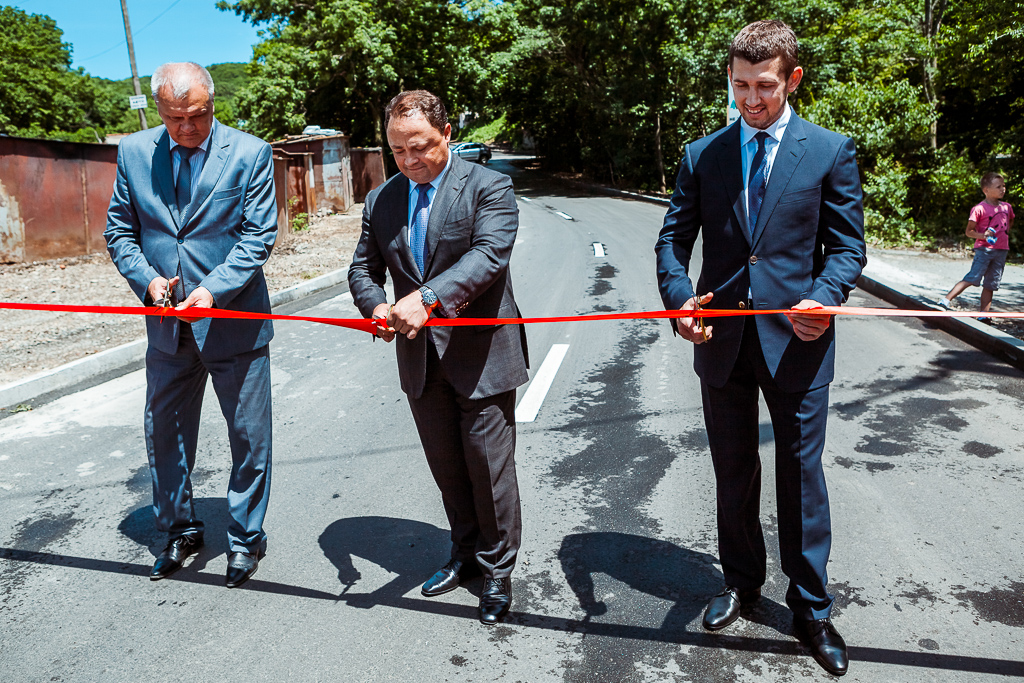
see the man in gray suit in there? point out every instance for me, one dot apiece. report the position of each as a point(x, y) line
point(444, 230)
point(191, 222)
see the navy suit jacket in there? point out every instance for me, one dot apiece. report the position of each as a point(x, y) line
point(472, 227)
point(221, 243)
point(808, 244)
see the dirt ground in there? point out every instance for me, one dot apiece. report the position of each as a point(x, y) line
point(32, 341)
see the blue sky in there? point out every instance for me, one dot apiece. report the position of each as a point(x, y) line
point(190, 30)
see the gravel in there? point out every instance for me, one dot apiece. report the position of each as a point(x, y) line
point(34, 341)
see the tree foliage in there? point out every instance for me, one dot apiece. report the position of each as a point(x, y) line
point(932, 91)
point(42, 96)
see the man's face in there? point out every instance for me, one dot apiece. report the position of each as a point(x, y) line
point(761, 89)
point(189, 119)
point(421, 151)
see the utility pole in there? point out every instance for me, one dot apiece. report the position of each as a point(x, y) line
point(131, 57)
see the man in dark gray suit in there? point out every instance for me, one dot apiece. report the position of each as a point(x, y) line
point(192, 221)
point(444, 230)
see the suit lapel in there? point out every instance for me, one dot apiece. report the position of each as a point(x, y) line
point(730, 163)
point(164, 173)
point(791, 151)
point(451, 186)
point(394, 228)
point(213, 166)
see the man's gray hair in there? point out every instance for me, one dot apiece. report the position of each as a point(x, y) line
point(181, 77)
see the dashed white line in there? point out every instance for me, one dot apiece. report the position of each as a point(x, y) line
point(598, 250)
point(530, 404)
point(563, 215)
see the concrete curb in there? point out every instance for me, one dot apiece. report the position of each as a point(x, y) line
point(128, 354)
point(983, 337)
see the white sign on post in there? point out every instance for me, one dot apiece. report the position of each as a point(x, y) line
point(732, 112)
point(137, 101)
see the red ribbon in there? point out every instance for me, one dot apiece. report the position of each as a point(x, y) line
point(365, 325)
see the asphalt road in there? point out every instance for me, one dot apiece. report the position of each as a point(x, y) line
point(924, 463)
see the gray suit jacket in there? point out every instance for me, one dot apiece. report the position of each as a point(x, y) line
point(473, 224)
point(221, 243)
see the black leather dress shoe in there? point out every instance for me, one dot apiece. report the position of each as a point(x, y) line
point(241, 566)
point(495, 600)
point(174, 555)
point(825, 643)
point(449, 577)
point(724, 608)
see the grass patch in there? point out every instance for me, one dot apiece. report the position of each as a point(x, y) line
point(488, 131)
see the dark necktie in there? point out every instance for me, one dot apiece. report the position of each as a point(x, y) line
point(418, 236)
point(182, 196)
point(757, 181)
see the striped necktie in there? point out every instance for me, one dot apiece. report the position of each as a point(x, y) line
point(757, 181)
point(418, 235)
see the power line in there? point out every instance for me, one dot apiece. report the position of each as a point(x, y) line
point(153, 21)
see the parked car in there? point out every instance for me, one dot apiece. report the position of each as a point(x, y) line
point(473, 151)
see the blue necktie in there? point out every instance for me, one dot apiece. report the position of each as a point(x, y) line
point(183, 184)
point(758, 181)
point(420, 215)
point(182, 196)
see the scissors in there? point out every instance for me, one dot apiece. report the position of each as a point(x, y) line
point(164, 301)
point(700, 320)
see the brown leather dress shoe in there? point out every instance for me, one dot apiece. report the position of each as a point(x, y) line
point(825, 643)
point(174, 556)
point(724, 608)
point(495, 600)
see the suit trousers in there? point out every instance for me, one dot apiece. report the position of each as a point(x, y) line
point(174, 400)
point(470, 449)
point(804, 523)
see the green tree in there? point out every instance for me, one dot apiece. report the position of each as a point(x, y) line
point(40, 95)
point(336, 63)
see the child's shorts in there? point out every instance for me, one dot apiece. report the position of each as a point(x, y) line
point(988, 264)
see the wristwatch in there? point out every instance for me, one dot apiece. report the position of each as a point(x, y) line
point(430, 301)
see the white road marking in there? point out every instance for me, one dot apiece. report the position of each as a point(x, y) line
point(563, 215)
point(598, 250)
point(526, 199)
point(530, 404)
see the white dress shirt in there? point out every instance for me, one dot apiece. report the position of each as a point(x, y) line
point(414, 195)
point(748, 145)
point(195, 162)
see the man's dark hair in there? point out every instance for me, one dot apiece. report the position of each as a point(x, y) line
point(989, 179)
point(412, 102)
point(764, 40)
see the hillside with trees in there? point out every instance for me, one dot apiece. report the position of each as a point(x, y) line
point(42, 96)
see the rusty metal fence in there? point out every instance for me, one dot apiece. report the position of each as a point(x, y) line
point(53, 198)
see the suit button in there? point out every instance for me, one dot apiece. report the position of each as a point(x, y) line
point(743, 304)
point(182, 241)
point(753, 259)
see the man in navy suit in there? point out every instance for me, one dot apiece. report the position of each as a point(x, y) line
point(780, 206)
point(192, 221)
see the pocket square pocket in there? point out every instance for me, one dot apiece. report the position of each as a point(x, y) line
point(229, 193)
point(801, 195)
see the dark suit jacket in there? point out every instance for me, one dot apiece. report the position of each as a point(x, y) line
point(221, 243)
point(808, 244)
point(473, 224)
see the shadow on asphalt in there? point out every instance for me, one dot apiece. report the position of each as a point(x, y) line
point(140, 527)
point(415, 549)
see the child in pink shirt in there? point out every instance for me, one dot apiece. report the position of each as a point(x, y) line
point(989, 225)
